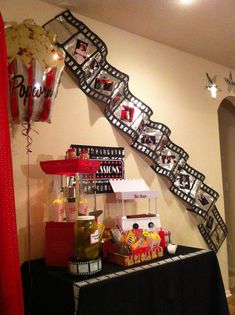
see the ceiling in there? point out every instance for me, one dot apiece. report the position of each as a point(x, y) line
point(205, 28)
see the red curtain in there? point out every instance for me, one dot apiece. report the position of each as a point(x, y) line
point(11, 297)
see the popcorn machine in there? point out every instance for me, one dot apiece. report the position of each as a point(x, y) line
point(68, 210)
point(66, 189)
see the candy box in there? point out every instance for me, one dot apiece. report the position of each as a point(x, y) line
point(138, 256)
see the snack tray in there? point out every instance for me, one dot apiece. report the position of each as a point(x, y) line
point(129, 260)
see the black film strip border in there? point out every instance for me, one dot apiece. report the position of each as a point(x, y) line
point(97, 152)
point(214, 237)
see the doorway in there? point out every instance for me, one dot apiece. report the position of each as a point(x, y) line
point(226, 117)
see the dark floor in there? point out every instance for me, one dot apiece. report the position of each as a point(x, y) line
point(231, 302)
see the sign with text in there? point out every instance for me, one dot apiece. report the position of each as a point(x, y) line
point(111, 167)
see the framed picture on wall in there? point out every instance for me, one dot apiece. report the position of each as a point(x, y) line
point(184, 181)
point(168, 159)
point(148, 139)
point(80, 53)
point(217, 236)
point(103, 84)
point(127, 113)
point(91, 67)
point(202, 198)
point(213, 229)
point(209, 223)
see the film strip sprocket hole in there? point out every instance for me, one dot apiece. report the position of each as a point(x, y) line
point(103, 82)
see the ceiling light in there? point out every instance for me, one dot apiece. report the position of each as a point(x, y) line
point(186, 2)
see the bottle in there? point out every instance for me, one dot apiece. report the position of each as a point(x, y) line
point(163, 240)
point(70, 206)
point(71, 154)
point(82, 205)
point(71, 210)
point(84, 154)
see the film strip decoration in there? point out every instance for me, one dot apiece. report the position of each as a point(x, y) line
point(86, 60)
point(213, 229)
point(129, 270)
point(84, 268)
point(112, 166)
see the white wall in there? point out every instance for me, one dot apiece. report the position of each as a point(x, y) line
point(171, 82)
point(226, 115)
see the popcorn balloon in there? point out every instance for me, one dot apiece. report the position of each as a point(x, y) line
point(35, 65)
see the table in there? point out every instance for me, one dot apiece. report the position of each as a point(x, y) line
point(187, 283)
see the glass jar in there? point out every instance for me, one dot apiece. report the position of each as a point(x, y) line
point(86, 238)
point(71, 154)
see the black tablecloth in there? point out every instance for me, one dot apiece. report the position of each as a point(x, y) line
point(172, 285)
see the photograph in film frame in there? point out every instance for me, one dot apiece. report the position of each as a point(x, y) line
point(91, 67)
point(112, 166)
point(86, 60)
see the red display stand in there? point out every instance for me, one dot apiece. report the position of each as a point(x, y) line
point(59, 243)
point(59, 236)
